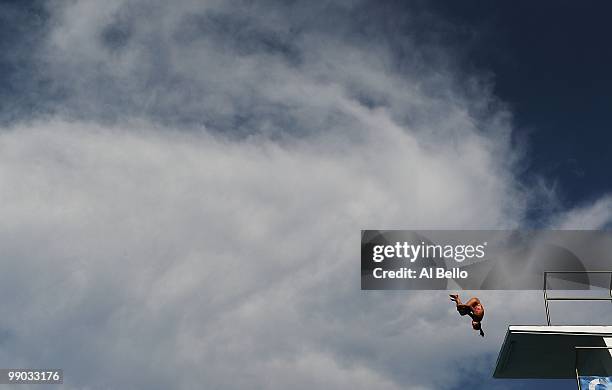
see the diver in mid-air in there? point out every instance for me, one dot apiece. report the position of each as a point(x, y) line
point(473, 308)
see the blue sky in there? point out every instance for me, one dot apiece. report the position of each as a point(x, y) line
point(548, 61)
point(183, 184)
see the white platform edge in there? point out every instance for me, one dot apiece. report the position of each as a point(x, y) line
point(595, 330)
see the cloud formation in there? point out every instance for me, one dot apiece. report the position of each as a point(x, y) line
point(185, 211)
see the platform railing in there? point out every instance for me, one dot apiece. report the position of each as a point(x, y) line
point(547, 298)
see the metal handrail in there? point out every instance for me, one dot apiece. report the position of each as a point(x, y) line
point(546, 298)
point(577, 349)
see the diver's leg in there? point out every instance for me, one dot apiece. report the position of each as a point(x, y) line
point(461, 308)
point(464, 309)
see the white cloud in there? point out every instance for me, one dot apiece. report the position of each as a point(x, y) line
point(150, 247)
point(595, 215)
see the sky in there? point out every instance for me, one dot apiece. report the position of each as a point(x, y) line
point(549, 63)
point(183, 184)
